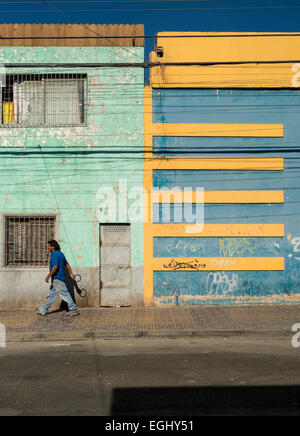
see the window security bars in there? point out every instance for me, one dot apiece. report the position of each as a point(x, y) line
point(43, 100)
point(26, 240)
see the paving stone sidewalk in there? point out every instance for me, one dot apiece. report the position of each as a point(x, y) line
point(25, 325)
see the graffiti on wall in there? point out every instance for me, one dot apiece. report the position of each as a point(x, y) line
point(179, 265)
point(220, 283)
point(185, 246)
point(229, 247)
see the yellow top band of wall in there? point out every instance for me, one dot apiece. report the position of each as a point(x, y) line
point(189, 47)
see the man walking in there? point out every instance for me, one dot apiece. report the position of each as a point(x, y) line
point(58, 287)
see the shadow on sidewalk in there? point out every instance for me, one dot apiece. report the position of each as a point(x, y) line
point(72, 286)
point(199, 401)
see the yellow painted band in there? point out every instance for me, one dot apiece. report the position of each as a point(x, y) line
point(218, 197)
point(227, 47)
point(224, 76)
point(219, 264)
point(216, 230)
point(234, 130)
point(219, 163)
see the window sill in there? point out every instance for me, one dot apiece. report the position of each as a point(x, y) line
point(23, 268)
point(39, 126)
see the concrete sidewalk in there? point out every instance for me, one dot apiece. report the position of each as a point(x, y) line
point(201, 321)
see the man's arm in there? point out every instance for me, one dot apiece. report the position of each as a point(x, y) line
point(70, 271)
point(53, 271)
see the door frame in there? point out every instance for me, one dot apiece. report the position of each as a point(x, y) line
point(100, 245)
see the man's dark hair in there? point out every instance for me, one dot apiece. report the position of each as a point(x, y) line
point(54, 244)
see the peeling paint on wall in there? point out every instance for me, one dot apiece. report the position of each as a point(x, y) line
point(52, 171)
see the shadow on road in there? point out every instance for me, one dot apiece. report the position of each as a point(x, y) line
point(199, 401)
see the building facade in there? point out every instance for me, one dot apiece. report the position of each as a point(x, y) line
point(222, 139)
point(181, 192)
point(72, 141)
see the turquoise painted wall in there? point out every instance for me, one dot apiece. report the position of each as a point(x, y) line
point(60, 169)
point(255, 106)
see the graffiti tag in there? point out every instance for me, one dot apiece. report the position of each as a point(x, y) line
point(220, 283)
point(174, 265)
point(229, 247)
point(184, 246)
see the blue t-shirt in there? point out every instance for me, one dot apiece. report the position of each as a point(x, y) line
point(58, 259)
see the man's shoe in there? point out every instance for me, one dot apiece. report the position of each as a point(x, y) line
point(74, 313)
point(40, 313)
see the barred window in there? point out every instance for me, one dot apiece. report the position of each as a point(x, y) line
point(26, 239)
point(43, 100)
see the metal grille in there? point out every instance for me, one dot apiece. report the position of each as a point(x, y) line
point(26, 240)
point(43, 100)
point(116, 229)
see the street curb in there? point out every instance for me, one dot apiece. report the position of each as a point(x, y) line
point(108, 334)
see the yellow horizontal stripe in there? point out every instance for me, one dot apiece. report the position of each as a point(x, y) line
point(224, 76)
point(219, 163)
point(227, 47)
point(218, 197)
point(219, 264)
point(245, 130)
point(216, 230)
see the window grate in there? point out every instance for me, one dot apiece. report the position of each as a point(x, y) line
point(26, 240)
point(43, 100)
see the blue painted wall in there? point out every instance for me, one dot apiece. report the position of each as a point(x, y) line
point(280, 106)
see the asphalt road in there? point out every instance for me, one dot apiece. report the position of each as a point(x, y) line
point(151, 377)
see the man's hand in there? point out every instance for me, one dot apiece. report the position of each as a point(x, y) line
point(54, 269)
point(70, 272)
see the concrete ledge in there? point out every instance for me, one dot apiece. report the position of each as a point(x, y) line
point(88, 335)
